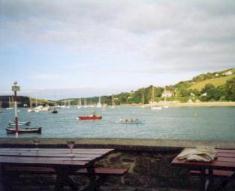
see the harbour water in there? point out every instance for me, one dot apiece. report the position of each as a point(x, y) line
point(187, 123)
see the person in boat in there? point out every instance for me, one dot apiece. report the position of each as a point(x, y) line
point(130, 120)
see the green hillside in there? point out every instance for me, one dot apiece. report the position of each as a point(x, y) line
point(216, 82)
point(212, 86)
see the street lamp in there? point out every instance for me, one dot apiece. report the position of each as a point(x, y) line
point(16, 88)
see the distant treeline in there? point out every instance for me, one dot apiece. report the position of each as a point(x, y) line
point(23, 101)
point(143, 95)
point(8, 101)
point(216, 86)
point(179, 92)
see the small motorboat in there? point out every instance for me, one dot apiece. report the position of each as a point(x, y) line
point(54, 111)
point(11, 130)
point(130, 121)
point(90, 117)
point(20, 123)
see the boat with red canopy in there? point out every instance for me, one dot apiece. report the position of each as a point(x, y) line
point(90, 117)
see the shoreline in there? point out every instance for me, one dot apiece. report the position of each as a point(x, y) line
point(187, 104)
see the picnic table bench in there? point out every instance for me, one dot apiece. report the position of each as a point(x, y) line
point(222, 166)
point(60, 162)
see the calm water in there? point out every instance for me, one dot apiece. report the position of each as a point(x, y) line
point(206, 123)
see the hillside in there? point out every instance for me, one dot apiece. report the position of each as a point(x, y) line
point(215, 81)
point(216, 86)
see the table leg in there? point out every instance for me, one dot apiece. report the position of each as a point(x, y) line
point(224, 183)
point(4, 182)
point(211, 179)
point(59, 180)
point(2, 186)
point(62, 178)
point(92, 176)
point(203, 180)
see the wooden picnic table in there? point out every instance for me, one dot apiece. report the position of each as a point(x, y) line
point(225, 161)
point(62, 161)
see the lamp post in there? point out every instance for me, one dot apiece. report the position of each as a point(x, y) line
point(16, 88)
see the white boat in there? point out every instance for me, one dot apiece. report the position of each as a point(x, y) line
point(39, 108)
point(45, 108)
point(79, 104)
point(99, 105)
point(84, 103)
point(68, 104)
point(113, 103)
point(165, 96)
point(30, 110)
point(20, 123)
point(156, 108)
point(10, 103)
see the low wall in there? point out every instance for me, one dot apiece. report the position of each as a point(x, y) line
point(139, 144)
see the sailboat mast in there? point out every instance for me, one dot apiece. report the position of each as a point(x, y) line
point(165, 95)
point(153, 94)
point(112, 101)
point(30, 102)
point(36, 101)
point(143, 97)
point(9, 102)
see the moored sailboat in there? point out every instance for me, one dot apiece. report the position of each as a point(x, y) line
point(153, 107)
point(12, 130)
point(99, 105)
point(17, 129)
point(79, 105)
point(20, 123)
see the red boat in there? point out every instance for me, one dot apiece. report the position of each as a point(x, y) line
point(90, 117)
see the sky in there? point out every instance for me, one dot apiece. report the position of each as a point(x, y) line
point(77, 48)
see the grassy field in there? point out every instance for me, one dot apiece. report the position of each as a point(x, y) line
point(216, 82)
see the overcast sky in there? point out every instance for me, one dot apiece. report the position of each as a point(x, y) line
point(74, 48)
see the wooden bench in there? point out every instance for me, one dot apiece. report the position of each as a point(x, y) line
point(47, 170)
point(223, 166)
point(216, 173)
point(101, 172)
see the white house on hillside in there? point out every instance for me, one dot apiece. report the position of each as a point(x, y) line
point(167, 94)
point(228, 73)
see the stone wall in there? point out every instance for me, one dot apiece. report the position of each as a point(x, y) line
point(147, 169)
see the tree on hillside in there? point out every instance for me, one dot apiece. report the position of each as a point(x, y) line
point(195, 92)
point(221, 90)
point(230, 90)
point(210, 93)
